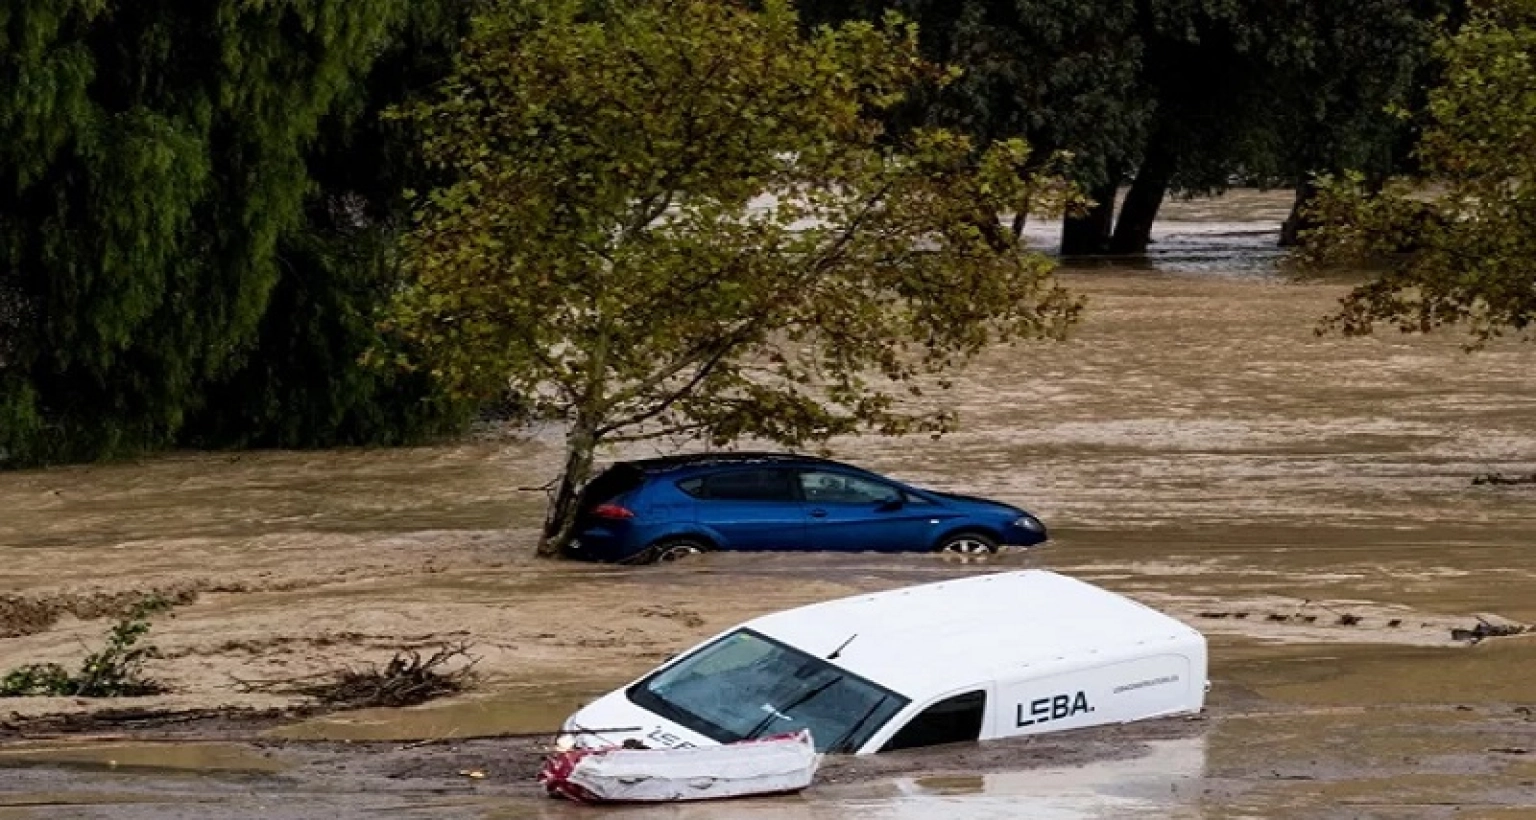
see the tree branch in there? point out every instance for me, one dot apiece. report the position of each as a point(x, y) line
point(698, 377)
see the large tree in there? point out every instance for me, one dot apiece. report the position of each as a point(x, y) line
point(683, 219)
point(157, 188)
point(1458, 239)
point(301, 384)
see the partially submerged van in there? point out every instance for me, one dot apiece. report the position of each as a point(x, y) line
point(989, 656)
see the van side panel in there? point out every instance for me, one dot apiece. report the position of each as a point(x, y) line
point(1150, 686)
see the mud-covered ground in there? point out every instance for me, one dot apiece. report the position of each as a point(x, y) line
point(1195, 446)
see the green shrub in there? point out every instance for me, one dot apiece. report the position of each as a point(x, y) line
point(115, 671)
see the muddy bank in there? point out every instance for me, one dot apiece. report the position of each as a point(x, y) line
point(1243, 757)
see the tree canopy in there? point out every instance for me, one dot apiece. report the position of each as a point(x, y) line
point(157, 189)
point(1459, 238)
point(1173, 96)
point(679, 219)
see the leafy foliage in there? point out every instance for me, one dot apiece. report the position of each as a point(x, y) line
point(1062, 74)
point(679, 219)
point(1180, 96)
point(156, 191)
point(1459, 240)
point(301, 385)
point(115, 671)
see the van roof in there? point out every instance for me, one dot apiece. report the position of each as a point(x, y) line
point(928, 640)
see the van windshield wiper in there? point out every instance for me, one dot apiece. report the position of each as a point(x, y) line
point(784, 710)
point(837, 746)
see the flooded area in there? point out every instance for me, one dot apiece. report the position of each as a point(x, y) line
point(1195, 445)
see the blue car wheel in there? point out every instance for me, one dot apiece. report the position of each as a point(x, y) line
point(668, 550)
point(967, 543)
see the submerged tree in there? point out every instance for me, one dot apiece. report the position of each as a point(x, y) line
point(1460, 239)
point(681, 219)
point(1178, 97)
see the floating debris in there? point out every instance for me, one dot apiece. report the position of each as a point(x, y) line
point(1214, 615)
point(1500, 478)
point(1395, 623)
point(406, 680)
point(1348, 619)
point(1488, 626)
point(1275, 616)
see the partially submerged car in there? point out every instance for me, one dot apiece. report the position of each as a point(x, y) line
point(666, 508)
point(989, 656)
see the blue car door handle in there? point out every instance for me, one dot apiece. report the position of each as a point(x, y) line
point(818, 513)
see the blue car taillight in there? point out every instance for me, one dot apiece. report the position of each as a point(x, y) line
point(613, 512)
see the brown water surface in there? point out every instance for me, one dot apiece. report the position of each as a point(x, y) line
point(1195, 445)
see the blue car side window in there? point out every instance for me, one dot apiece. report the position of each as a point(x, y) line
point(837, 488)
point(743, 485)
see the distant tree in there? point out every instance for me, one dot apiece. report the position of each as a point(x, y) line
point(1064, 75)
point(157, 190)
point(681, 220)
point(1270, 93)
point(1177, 97)
point(1342, 70)
point(1459, 238)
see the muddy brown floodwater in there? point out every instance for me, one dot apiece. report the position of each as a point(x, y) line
point(1195, 446)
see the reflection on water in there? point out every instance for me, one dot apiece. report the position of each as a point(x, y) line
point(162, 757)
point(1233, 235)
point(540, 709)
point(1159, 783)
point(1162, 782)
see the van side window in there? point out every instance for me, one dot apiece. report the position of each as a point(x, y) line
point(952, 720)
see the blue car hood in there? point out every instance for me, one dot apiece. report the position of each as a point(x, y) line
point(979, 502)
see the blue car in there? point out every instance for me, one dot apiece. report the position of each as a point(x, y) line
point(666, 508)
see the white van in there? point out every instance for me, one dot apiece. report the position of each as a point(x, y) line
point(990, 656)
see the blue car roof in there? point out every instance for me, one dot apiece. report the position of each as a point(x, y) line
point(666, 464)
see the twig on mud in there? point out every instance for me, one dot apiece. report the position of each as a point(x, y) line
point(1501, 479)
point(406, 680)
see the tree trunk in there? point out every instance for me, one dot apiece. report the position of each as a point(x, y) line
point(1020, 219)
point(1133, 231)
point(1088, 235)
point(560, 520)
point(1298, 221)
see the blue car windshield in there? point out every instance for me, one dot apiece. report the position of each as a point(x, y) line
point(746, 685)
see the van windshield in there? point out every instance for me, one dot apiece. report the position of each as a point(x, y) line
point(746, 685)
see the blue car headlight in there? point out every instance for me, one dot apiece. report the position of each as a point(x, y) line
point(1029, 522)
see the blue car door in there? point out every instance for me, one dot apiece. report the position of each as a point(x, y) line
point(751, 508)
point(855, 513)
